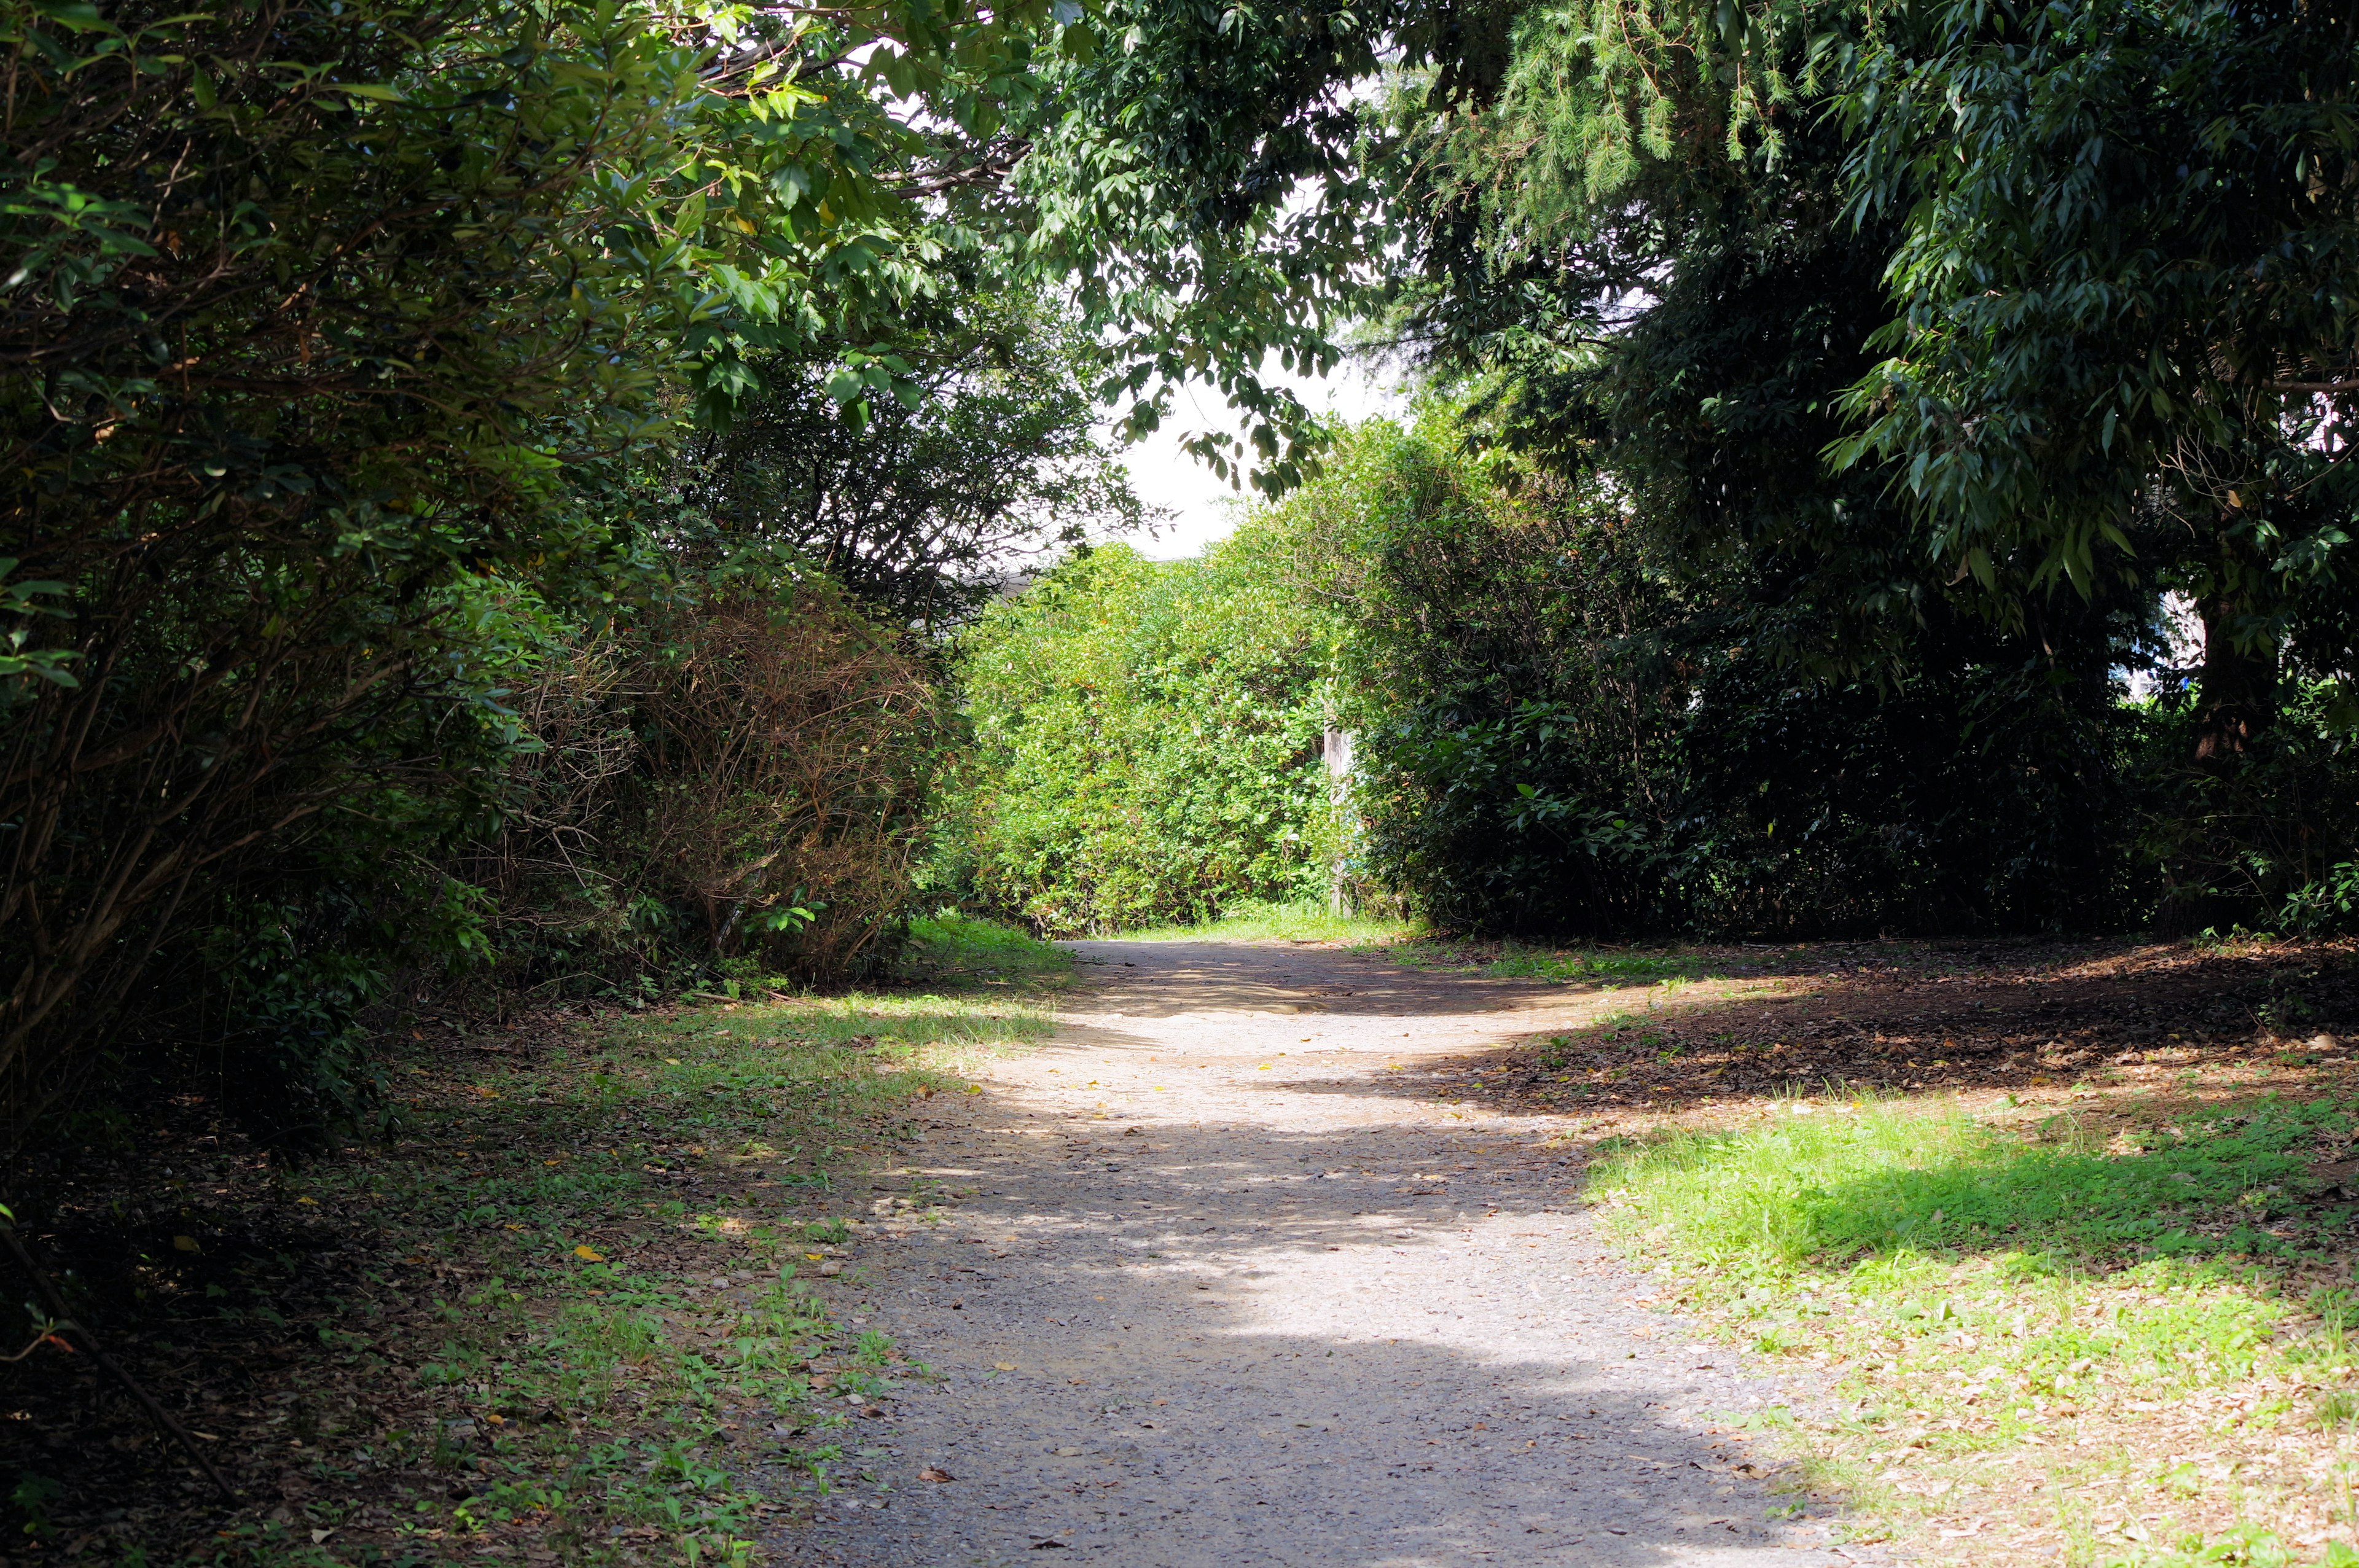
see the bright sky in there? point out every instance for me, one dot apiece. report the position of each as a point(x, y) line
point(1206, 509)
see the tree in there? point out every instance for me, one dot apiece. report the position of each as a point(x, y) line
point(2129, 286)
point(924, 509)
point(315, 316)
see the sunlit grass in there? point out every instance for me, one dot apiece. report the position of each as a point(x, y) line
point(633, 1207)
point(954, 947)
point(1256, 921)
point(2034, 1330)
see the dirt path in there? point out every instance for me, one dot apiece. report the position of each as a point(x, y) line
point(1228, 1296)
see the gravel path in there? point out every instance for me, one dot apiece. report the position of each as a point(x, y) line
point(1228, 1296)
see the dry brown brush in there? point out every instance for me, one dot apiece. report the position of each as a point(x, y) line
point(738, 784)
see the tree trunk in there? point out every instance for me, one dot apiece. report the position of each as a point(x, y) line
point(2236, 694)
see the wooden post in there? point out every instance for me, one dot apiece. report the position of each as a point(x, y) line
point(1335, 748)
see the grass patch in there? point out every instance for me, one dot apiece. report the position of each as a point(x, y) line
point(958, 947)
point(1257, 921)
point(1516, 962)
point(1601, 966)
point(571, 1310)
point(2138, 1350)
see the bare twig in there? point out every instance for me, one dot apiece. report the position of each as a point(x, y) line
point(156, 1412)
point(49, 1332)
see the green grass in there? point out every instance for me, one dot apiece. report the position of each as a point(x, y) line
point(953, 946)
point(1865, 1180)
point(589, 1320)
point(1257, 921)
point(1596, 964)
point(2031, 1323)
point(1513, 960)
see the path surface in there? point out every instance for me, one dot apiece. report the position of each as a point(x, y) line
point(1230, 1296)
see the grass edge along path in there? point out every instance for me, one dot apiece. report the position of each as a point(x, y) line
point(564, 1313)
point(1255, 921)
point(2044, 1344)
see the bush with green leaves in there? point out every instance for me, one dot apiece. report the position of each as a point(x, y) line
point(316, 317)
point(1147, 741)
point(1567, 728)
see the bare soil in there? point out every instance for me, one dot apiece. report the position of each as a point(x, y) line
point(1229, 1286)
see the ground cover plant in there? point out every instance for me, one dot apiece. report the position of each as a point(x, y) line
point(571, 1307)
point(1251, 920)
point(2061, 1234)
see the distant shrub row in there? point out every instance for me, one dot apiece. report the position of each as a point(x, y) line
point(1564, 726)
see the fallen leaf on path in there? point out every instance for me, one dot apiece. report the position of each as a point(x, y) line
point(931, 1473)
point(589, 1254)
point(1005, 1366)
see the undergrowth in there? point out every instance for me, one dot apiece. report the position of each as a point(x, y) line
point(952, 945)
point(568, 1312)
point(2051, 1342)
point(1511, 959)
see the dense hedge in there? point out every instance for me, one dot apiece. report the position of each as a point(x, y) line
point(1565, 727)
point(1147, 741)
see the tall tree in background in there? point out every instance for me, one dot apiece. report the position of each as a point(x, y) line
point(924, 509)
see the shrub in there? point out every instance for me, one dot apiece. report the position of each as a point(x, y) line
point(1147, 741)
point(786, 746)
point(733, 782)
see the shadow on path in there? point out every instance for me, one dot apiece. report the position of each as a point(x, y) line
point(1223, 1293)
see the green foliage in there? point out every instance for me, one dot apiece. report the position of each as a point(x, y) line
point(921, 509)
point(1503, 677)
point(1560, 727)
point(2263, 843)
point(951, 946)
point(316, 320)
point(1253, 920)
point(1566, 728)
point(2128, 281)
point(1147, 741)
point(1200, 184)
